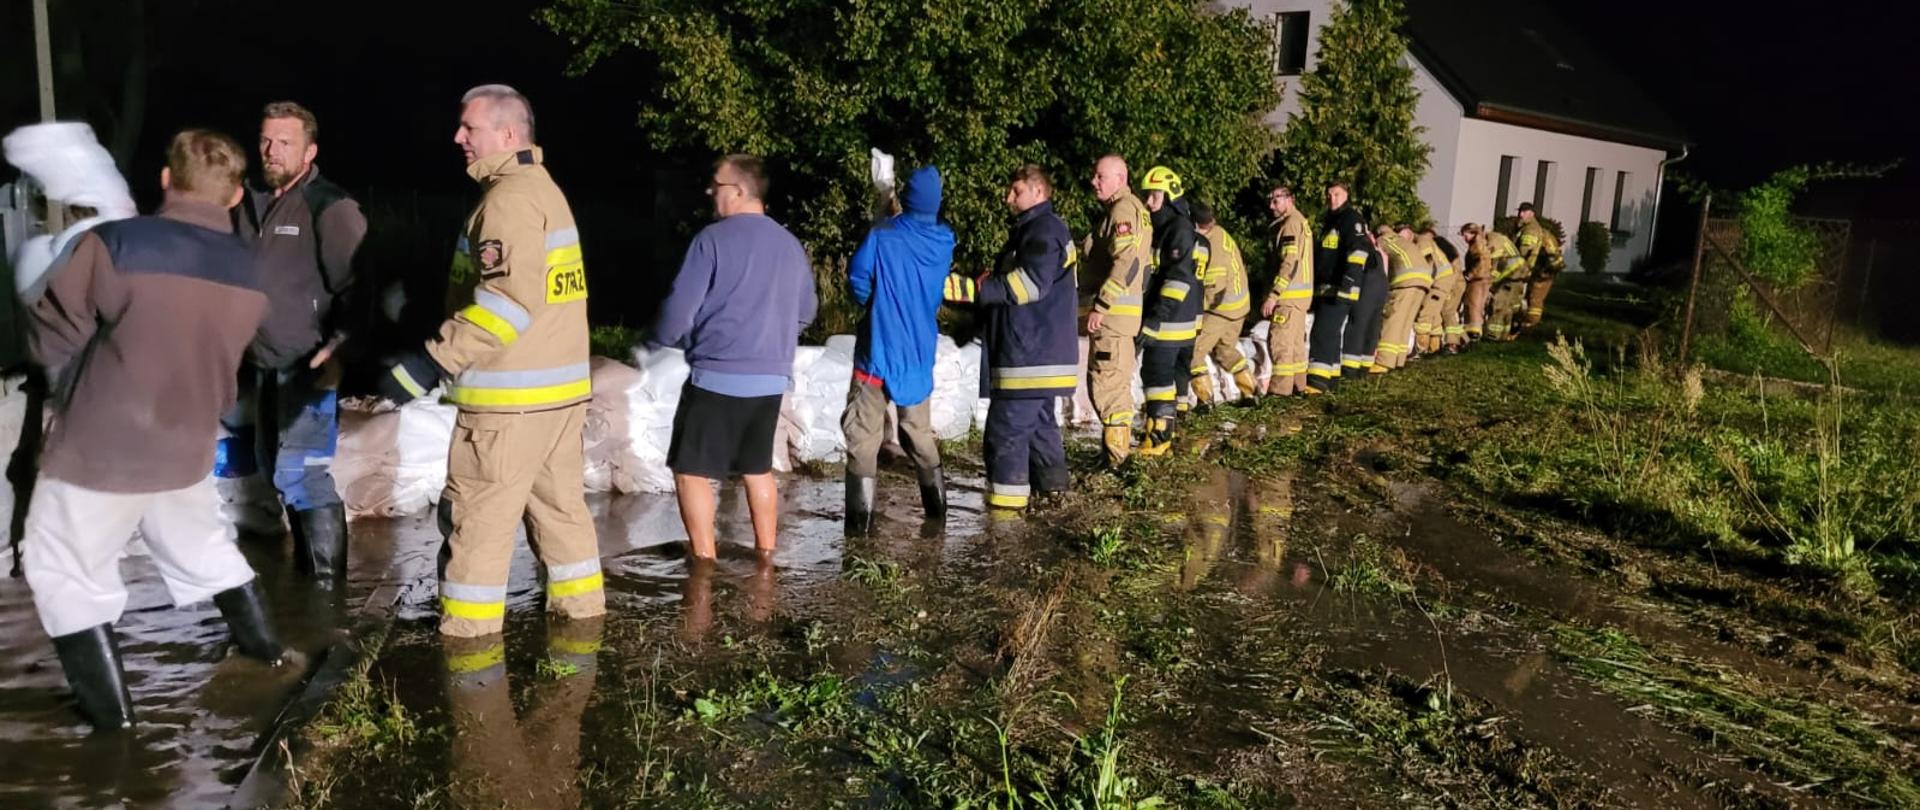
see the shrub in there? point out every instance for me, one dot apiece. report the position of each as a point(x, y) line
point(1595, 246)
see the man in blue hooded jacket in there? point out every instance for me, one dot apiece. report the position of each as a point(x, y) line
point(898, 276)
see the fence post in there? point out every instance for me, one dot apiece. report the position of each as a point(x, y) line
point(1693, 287)
point(1866, 281)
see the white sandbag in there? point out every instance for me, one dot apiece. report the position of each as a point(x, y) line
point(956, 388)
point(640, 464)
point(820, 378)
point(394, 463)
point(73, 169)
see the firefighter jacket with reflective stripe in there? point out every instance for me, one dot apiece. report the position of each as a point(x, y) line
point(1293, 251)
point(1443, 264)
point(1343, 253)
point(1406, 265)
point(520, 343)
point(1224, 275)
point(1120, 259)
point(1539, 249)
point(1032, 349)
point(1506, 261)
point(1173, 293)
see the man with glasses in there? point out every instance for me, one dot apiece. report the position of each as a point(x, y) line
point(741, 298)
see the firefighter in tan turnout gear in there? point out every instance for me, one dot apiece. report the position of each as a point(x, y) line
point(1119, 259)
point(1286, 305)
point(1540, 249)
point(515, 360)
point(1226, 303)
point(1408, 276)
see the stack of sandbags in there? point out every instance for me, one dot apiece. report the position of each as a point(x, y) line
point(956, 389)
point(394, 462)
point(818, 398)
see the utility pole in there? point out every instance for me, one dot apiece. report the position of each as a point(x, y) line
point(43, 49)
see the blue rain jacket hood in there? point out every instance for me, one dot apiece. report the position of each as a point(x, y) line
point(898, 277)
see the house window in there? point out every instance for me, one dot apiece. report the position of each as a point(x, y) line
point(1620, 180)
point(1290, 43)
point(1586, 195)
point(1542, 187)
point(1507, 164)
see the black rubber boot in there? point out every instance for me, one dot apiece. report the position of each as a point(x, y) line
point(933, 493)
point(859, 504)
point(91, 659)
point(320, 543)
point(246, 611)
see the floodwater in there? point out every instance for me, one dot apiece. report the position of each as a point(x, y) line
point(1252, 573)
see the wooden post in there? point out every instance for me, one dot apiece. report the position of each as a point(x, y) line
point(43, 51)
point(1693, 287)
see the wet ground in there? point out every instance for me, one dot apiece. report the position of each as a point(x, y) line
point(1322, 638)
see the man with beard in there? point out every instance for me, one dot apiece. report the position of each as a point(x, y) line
point(304, 232)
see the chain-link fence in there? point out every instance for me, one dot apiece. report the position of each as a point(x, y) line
point(1729, 302)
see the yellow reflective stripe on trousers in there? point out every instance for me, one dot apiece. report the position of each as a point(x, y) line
point(1008, 496)
point(522, 388)
point(1161, 393)
point(1184, 330)
point(1018, 378)
point(463, 609)
point(573, 579)
point(1119, 419)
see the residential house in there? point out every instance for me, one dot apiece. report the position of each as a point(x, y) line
point(1518, 107)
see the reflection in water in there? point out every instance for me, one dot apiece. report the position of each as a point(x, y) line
point(1269, 503)
point(760, 587)
point(501, 759)
point(1211, 523)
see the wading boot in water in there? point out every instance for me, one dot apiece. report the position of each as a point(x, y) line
point(933, 493)
point(246, 612)
point(91, 659)
point(859, 504)
point(320, 544)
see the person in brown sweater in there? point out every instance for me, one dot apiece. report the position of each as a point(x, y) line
point(141, 329)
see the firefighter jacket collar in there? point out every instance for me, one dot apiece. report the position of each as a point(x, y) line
point(1041, 209)
point(494, 167)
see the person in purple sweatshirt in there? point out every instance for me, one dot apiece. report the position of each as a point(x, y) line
point(743, 294)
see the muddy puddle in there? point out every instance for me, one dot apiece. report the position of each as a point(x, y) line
point(202, 712)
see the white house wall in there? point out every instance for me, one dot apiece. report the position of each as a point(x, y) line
point(1476, 177)
point(1465, 163)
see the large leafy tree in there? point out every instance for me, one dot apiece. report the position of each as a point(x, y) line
point(1356, 117)
point(976, 87)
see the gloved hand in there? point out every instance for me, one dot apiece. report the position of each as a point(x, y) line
point(410, 375)
point(961, 290)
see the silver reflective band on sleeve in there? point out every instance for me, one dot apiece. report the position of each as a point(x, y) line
point(531, 378)
point(407, 381)
point(505, 308)
point(563, 238)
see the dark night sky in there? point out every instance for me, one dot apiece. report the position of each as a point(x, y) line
point(1756, 90)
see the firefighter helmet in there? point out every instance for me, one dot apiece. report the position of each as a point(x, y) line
point(1161, 178)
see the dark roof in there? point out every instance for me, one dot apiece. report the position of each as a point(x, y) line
point(1515, 62)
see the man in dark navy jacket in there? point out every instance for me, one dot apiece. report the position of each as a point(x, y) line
point(1032, 353)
